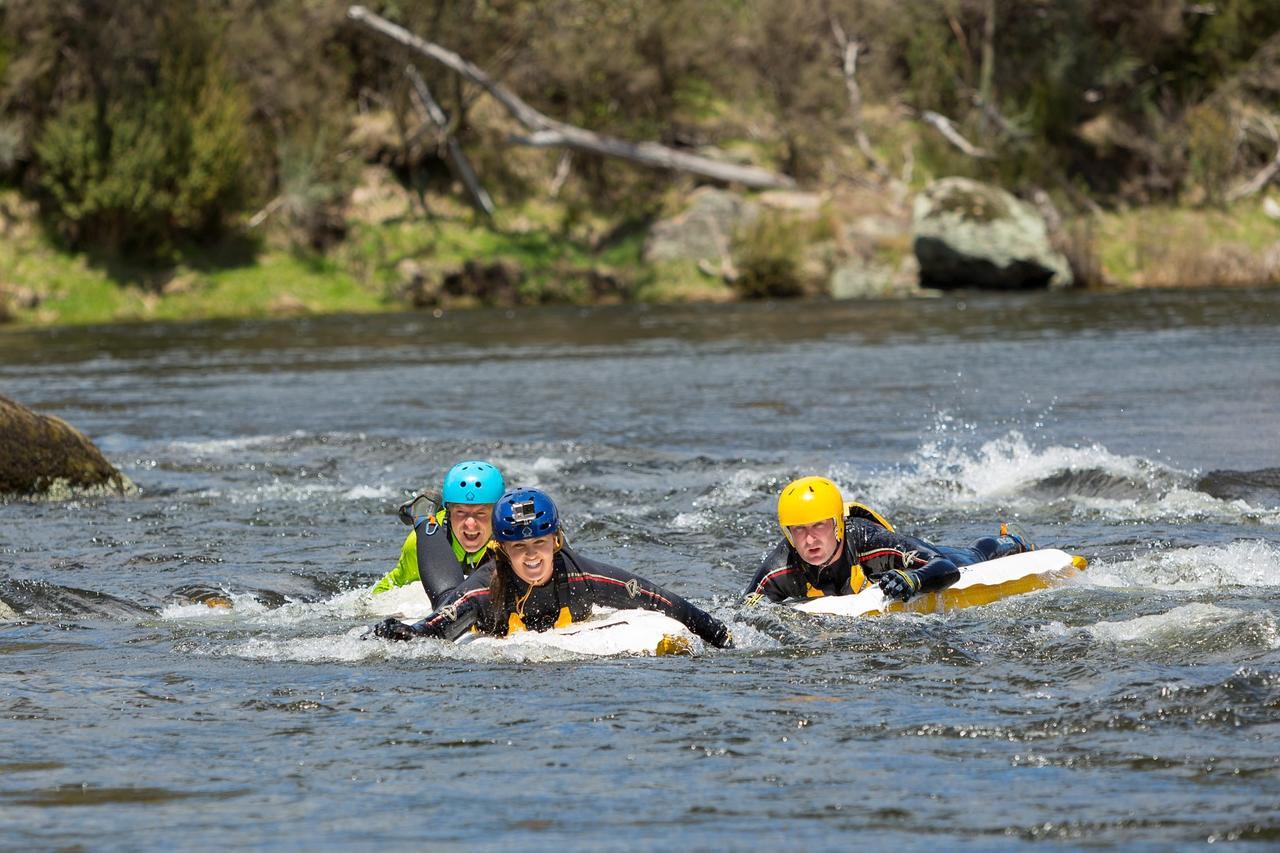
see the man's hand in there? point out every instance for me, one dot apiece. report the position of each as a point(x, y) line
point(899, 584)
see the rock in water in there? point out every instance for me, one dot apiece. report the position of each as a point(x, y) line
point(42, 456)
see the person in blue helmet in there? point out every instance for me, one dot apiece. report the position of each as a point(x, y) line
point(535, 582)
point(446, 545)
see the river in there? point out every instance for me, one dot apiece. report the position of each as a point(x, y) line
point(1138, 705)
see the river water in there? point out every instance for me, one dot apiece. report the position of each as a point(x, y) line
point(1138, 705)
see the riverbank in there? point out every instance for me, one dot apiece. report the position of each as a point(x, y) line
point(398, 253)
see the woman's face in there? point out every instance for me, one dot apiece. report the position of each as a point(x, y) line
point(472, 524)
point(532, 559)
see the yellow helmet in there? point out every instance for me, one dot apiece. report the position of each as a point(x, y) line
point(810, 499)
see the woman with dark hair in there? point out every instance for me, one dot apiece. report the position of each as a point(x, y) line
point(535, 582)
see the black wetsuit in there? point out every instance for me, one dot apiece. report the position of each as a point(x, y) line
point(868, 551)
point(577, 584)
point(438, 566)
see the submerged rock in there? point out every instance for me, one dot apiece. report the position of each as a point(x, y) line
point(43, 456)
point(970, 234)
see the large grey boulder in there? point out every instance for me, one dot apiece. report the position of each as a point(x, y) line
point(704, 231)
point(44, 456)
point(859, 278)
point(967, 234)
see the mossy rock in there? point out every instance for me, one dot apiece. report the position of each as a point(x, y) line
point(43, 456)
point(967, 234)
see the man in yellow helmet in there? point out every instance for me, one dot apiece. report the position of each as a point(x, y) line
point(834, 548)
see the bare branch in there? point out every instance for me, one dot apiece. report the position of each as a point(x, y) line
point(849, 49)
point(948, 130)
point(1258, 181)
point(262, 215)
point(549, 132)
point(457, 157)
point(997, 118)
point(562, 173)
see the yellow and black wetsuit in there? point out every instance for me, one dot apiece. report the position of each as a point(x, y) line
point(868, 551)
point(576, 585)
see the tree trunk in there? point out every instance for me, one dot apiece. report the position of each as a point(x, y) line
point(548, 132)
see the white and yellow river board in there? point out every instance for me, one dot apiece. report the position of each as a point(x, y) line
point(981, 583)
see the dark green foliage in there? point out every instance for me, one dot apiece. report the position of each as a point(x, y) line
point(153, 123)
point(151, 152)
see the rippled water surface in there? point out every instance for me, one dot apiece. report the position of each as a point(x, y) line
point(1138, 706)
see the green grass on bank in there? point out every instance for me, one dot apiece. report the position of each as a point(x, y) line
point(364, 273)
point(558, 252)
point(72, 290)
point(1171, 246)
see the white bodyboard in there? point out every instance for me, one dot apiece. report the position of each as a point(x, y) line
point(620, 632)
point(981, 583)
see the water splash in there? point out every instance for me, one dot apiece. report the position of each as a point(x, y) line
point(1010, 473)
point(1189, 628)
point(1241, 563)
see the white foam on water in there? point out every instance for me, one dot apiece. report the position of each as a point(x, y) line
point(692, 522)
point(1187, 627)
point(404, 602)
point(248, 611)
point(1246, 562)
point(358, 645)
point(223, 446)
point(1000, 468)
point(1006, 471)
point(360, 493)
point(1178, 504)
point(354, 646)
point(547, 464)
point(1168, 626)
point(285, 491)
point(522, 473)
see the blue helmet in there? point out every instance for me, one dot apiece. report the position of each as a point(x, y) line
point(524, 514)
point(473, 483)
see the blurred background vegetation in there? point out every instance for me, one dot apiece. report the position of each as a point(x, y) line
point(191, 151)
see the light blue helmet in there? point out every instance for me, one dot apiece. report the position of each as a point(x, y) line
point(473, 482)
point(524, 514)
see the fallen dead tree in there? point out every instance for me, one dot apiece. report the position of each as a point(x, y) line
point(547, 132)
point(458, 161)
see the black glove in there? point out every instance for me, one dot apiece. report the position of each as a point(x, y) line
point(393, 629)
point(899, 584)
point(721, 638)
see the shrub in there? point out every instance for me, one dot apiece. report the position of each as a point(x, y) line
point(768, 254)
point(1211, 150)
point(148, 163)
